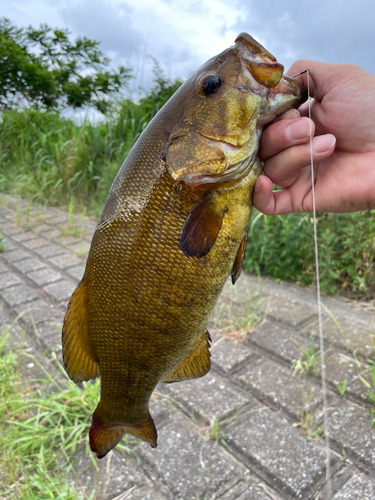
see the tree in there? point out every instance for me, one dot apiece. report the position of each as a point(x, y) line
point(45, 68)
point(160, 92)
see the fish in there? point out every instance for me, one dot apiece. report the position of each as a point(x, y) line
point(172, 230)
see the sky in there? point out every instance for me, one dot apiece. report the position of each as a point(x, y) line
point(182, 34)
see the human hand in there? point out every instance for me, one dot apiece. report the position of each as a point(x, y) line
point(343, 126)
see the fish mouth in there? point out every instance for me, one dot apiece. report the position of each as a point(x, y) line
point(288, 87)
point(233, 171)
point(265, 78)
point(259, 61)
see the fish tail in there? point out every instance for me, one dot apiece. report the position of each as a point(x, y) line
point(105, 436)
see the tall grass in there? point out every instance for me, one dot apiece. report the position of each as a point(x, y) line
point(49, 158)
point(283, 247)
point(43, 423)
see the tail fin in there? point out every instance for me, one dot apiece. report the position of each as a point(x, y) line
point(105, 436)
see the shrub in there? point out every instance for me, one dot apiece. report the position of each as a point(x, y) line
point(283, 247)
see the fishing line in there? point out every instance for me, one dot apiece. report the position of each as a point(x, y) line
point(321, 339)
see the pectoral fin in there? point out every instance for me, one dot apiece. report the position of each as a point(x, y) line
point(201, 228)
point(195, 365)
point(237, 266)
point(79, 359)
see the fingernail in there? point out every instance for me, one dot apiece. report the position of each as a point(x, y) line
point(258, 185)
point(298, 129)
point(323, 143)
point(291, 114)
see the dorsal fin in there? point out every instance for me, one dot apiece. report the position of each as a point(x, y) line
point(79, 359)
point(201, 228)
point(237, 265)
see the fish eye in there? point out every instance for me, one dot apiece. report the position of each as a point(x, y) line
point(211, 84)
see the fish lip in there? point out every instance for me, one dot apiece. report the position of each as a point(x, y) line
point(219, 141)
point(262, 65)
point(232, 172)
point(253, 46)
point(289, 87)
point(252, 52)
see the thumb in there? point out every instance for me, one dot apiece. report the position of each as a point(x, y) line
point(321, 77)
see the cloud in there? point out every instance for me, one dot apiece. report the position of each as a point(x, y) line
point(101, 20)
point(331, 31)
point(182, 35)
point(32, 12)
point(129, 35)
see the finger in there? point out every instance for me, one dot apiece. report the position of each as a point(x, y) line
point(320, 78)
point(304, 109)
point(284, 168)
point(283, 135)
point(313, 109)
point(290, 114)
point(263, 198)
point(271, 202)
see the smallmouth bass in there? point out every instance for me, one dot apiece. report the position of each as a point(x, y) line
point(172, 230)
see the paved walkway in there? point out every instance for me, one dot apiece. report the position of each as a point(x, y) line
point(249, 430)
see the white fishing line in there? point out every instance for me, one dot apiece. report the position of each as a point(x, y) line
point(328, 495)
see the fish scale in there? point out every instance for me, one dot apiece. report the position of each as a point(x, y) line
point(172, 231)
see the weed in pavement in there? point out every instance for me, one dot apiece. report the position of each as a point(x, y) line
point(342, 388)
point(309, 424)
point(370, 386)
point(238, 326)
point(310, 359)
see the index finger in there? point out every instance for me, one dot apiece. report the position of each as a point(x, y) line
point(285, 134)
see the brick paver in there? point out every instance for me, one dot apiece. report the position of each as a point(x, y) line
point(250, 429)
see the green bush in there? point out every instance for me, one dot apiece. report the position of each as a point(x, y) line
point(50, 159)
point(283, 247)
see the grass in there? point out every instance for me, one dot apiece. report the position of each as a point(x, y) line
point(370, 386)
point(309, 424)
point(342, 388)
point(238, 326)
point(51, 159)
point(283, 247)
point(43, 423)
point(310, 359)
point(214, 431)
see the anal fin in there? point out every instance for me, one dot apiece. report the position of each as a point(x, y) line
point(79, 358)
point(195, 365)
point(201, 227)
point(237, 265)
